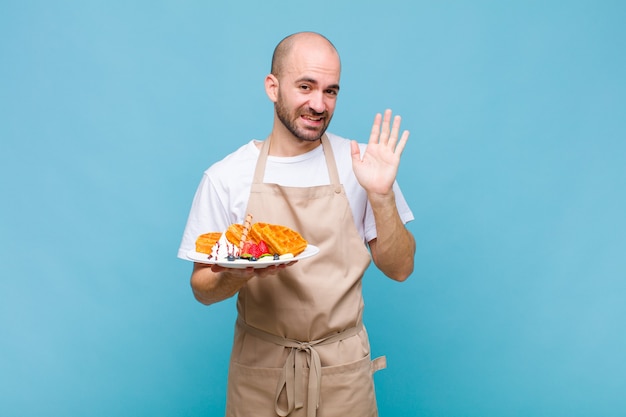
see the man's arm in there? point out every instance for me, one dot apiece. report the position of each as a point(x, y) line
point(212, 283)
point(393, 250)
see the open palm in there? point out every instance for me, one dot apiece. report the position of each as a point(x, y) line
point(376, 171)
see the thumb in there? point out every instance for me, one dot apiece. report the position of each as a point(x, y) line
point(355, 151)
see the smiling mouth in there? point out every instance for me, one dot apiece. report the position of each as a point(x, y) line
point(312, 118)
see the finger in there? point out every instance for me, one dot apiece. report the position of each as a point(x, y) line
point(355, 151)
point(395, 129)
point(283, 266)
point(402, 143)
point(269, 270)
point(375, 133)
point(384, 133)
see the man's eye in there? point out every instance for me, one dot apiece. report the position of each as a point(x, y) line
point(305, 87)
point(331, 92)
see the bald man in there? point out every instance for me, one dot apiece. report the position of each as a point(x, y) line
point(300, 346)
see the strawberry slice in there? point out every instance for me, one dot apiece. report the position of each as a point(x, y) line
point(263, 248)
point(246, 250)
point(255, 251)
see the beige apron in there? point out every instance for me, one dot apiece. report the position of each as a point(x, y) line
point(300, 348)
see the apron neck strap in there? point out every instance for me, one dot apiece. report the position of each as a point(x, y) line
point(333, 174)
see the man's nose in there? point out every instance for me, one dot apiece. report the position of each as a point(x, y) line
point(317, 102)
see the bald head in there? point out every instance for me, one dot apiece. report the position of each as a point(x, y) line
point(287, 45)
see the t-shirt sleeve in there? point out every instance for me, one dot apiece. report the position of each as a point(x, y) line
point(207, 214)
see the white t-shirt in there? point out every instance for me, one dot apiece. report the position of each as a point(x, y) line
point(222, 196)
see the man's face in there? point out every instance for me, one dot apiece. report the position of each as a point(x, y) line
point(307, 93)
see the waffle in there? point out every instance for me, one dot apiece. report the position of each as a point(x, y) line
point(234, 232)
point(205, 242)
point(279, 239)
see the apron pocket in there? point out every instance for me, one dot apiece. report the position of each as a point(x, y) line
point(251, 390)
point(348, 390)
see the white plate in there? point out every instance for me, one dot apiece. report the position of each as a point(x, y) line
point(203, 258)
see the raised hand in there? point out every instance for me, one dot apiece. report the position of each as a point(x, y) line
point(376, 171)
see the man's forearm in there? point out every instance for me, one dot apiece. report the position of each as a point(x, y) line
point(211, 287)
point(393, 250)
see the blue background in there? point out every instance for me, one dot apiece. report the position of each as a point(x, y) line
point(111, 110)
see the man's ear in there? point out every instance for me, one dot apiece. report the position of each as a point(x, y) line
point(271, 87)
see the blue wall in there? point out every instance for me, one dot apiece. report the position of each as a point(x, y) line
point(111, 110)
